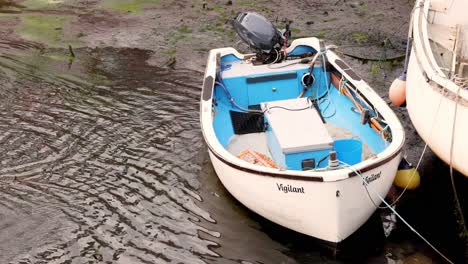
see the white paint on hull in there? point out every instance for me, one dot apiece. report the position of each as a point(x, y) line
point(317, 211)
point(329, 211)
point(431, 95)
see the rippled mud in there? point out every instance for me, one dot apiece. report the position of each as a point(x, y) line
point(101, 154)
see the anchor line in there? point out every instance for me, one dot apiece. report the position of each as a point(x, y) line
point(420, 157)
point(455, 193)
point(396, 213)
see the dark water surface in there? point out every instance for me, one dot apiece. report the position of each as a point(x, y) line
point(100, 170)
point(102, 161)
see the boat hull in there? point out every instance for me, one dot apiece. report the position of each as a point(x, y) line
point(329, 205)
point(433, 115)
point(437, 106)
point(330, 211)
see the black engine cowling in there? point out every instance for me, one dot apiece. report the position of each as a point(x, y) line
point(257, 31)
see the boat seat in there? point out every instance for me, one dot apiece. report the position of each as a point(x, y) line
point(295, 132)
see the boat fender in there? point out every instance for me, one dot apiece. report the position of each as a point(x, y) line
point(397, 91)
point(407, 176)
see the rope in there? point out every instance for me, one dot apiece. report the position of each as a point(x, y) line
point(320, 99)
point(411, 178)
point(277, 57)
point(327, 84)
point(396, 213)
point(460, 81)
point(385, 129)
point(455, 194)
point(422, 155)
point(231, 99)
point(341, 84)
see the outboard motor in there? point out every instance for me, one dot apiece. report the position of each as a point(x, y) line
point(261, 35)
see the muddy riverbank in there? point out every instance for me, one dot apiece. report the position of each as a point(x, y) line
point(186, 30)
point(102, 158)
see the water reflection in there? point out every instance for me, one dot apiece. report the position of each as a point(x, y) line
point(100, 163)
point(103, 161)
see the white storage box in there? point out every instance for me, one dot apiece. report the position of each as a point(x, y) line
point(295, 132)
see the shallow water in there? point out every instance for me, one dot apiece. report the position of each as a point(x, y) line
point(100, 170)
point(102, 161)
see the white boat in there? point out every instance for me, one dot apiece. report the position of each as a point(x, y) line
point(437, 95)
point(272, 139)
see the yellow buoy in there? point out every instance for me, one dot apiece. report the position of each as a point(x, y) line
point(407, 176)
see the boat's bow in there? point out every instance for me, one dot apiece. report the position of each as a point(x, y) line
point(252, 115)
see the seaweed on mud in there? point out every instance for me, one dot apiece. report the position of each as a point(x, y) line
point(9, 6)
point(129, 6)
point(47, 29)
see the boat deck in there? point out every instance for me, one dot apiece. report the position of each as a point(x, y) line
point(258, 142)
point(296, 128)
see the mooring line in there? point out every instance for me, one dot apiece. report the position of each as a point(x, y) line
point(397, 214)
point(455, 193)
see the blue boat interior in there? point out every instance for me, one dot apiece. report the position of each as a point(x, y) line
point(241, 113)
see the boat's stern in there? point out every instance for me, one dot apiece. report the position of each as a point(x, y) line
point(320, 201)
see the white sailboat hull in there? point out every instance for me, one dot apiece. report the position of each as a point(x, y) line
point(438, 106)
point(433, 116)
